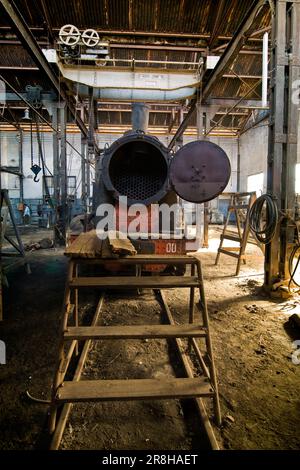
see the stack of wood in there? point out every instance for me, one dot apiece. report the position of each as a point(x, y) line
point(89, 245)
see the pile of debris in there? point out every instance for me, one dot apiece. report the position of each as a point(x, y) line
point(43, 244)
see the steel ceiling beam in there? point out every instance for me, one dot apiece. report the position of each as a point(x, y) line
point(156, 34)
point(47, 19)
point(159, 47)
point(30, 44)
point(33, 69)
point(218, 21)
point(184, 124)
point(226, 102)
point(236, 105)
point(240, 38)
point(238, 41)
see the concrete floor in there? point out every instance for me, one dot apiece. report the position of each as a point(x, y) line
point(259, 384)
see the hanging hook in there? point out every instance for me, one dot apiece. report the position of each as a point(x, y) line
point(35, 170)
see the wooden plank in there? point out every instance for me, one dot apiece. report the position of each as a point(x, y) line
point(238, 207)
point(61, 424)
point(142, 259)
point(250, 239)
point(234, 238)
point(106, 251)
point(230, 253)
point(87, 245)
point(129, 282)
point(182, 353)
point(135, 332)
point(141, 389)
point(120, 245)
point(232, 248)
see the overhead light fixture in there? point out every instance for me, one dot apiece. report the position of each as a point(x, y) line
point(26, 116)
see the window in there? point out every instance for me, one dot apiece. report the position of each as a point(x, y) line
point(71, 185)
point(256, 183)
point(49, 181)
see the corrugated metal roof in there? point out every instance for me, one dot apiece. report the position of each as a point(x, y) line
point(178, 16)
point(16, 56)
point(187, 17)
point(235, 88)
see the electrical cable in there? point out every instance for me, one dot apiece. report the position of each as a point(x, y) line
point(293, 270)
point(49, 198)
point(70, 161)
point(264, 234)
point(31, 144)
point(42, 117)
point(44, 153)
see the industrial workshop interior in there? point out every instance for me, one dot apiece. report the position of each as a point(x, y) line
point(150, 228)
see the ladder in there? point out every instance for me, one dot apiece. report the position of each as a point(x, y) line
point(196, 328)
point(240, 205)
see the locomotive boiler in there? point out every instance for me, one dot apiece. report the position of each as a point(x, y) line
point(140, 167)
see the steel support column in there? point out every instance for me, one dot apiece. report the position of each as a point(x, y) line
point(21, 165)
point(56, 175)
point(88, 184)
point(282, 156)
point(84, 166)
point(84, 171)
point(92, 115)
point(179, 141)
point(201, 129)
point(240, 38)
point(63, 179)
point(238, 165)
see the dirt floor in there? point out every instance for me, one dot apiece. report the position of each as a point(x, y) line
point(259, 385)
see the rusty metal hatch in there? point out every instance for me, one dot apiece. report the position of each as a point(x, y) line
point(199, 171)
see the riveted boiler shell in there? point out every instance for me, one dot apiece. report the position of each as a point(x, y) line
point(136, 166)
point(200, 171)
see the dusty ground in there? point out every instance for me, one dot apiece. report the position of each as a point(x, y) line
point(259, 384)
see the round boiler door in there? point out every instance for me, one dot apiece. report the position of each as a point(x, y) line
point(199, 171)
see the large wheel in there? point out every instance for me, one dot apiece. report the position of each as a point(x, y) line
point(90, 37)
point(69, 35)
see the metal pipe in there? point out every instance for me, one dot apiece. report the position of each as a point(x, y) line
point(265, 69)
point(21, 165)
point(132, 62)
point(143, 95)
point(238, 172)
point(140, 117)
